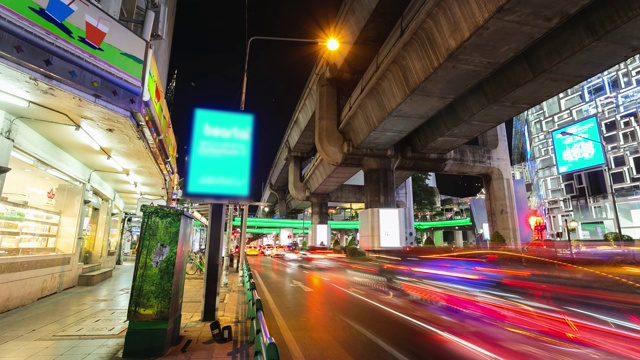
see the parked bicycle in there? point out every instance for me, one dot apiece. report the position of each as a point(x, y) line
point(195, 264)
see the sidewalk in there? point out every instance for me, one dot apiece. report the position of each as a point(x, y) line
point(90, 323)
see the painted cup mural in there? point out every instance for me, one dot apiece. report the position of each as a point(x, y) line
point(96, 30)
point(61, 9)
point(84, 30)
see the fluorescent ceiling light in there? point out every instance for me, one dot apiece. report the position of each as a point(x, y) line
point(114, 163)
point(19, 156)
point(89, 139)
point(13, 99)
point(58, 174)
point(130, 178)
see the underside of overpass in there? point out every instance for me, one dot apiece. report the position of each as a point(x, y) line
point(422, 79)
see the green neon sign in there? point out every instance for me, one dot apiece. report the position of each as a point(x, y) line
point(340, 225)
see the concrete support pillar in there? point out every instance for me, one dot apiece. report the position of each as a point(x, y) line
point(296, 188)
point(319, 216)
point(379, 183)
point(458, 239)
point(282, 202)
point(438, 238)
point(498, 185)
point(6, 146)
point(404, 194)
point(471, 238)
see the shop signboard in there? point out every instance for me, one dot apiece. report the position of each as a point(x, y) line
point(150, 202)
point(83, 34)
point(154, 99)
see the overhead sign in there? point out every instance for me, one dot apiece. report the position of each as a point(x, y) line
point(153, 96)
point(220, 163)
point(150, 202)
point(578, 146)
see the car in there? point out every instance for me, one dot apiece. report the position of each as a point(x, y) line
point(319, 257)
point(267, 250)
point(278, 251)
point(292, 255)
point(251, 250)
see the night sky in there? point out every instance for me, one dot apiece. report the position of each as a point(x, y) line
point(208, 52)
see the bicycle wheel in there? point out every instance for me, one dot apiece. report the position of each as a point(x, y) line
point(192, 267)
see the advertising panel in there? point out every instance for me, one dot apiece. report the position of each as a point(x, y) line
point(79, 28)
point(578, 146)
point(220, 155)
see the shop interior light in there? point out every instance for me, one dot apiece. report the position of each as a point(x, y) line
point(58, 174)
point(22, 157)
point(114, 163)
point(13, 99)
point(130, 178)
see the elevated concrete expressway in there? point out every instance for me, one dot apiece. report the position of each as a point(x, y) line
point(414, 96)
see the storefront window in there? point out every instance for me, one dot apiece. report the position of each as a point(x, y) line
point(89, 231)
point(114, 235)
point(38, 210)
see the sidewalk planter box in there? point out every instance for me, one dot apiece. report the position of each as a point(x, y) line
point(155, 305)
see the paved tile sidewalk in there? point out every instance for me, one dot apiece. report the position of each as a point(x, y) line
point(232, 310)
point(68, 326)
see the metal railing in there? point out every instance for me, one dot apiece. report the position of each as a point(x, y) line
point(264, 345)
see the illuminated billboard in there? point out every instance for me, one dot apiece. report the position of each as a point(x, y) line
point(220, 155)
point(578, 146)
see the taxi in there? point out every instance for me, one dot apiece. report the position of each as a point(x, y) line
point(251, 250)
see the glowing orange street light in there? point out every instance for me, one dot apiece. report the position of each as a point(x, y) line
point(332, 44)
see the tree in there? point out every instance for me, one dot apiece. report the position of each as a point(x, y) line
point(424, 196)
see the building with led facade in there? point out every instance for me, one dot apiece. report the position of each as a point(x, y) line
point(584, 194)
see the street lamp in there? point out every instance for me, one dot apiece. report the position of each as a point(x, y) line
point(331, 44)
point(608, 177)
point(570, 228)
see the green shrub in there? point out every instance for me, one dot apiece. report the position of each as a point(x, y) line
point(352, 242)
point(497, 239)
point(361, 253)
point(305, 245)
point(614, 237)
point(352, 251)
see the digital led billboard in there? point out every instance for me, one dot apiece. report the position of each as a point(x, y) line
point(219, 166)
point(578, 146)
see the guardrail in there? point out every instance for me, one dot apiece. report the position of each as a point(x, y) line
point(264, 345)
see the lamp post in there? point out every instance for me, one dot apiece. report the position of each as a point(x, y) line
point(331, 44)
point(566, 225)
point(609, 179)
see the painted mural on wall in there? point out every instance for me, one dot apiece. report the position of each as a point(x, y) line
point(81, 28)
